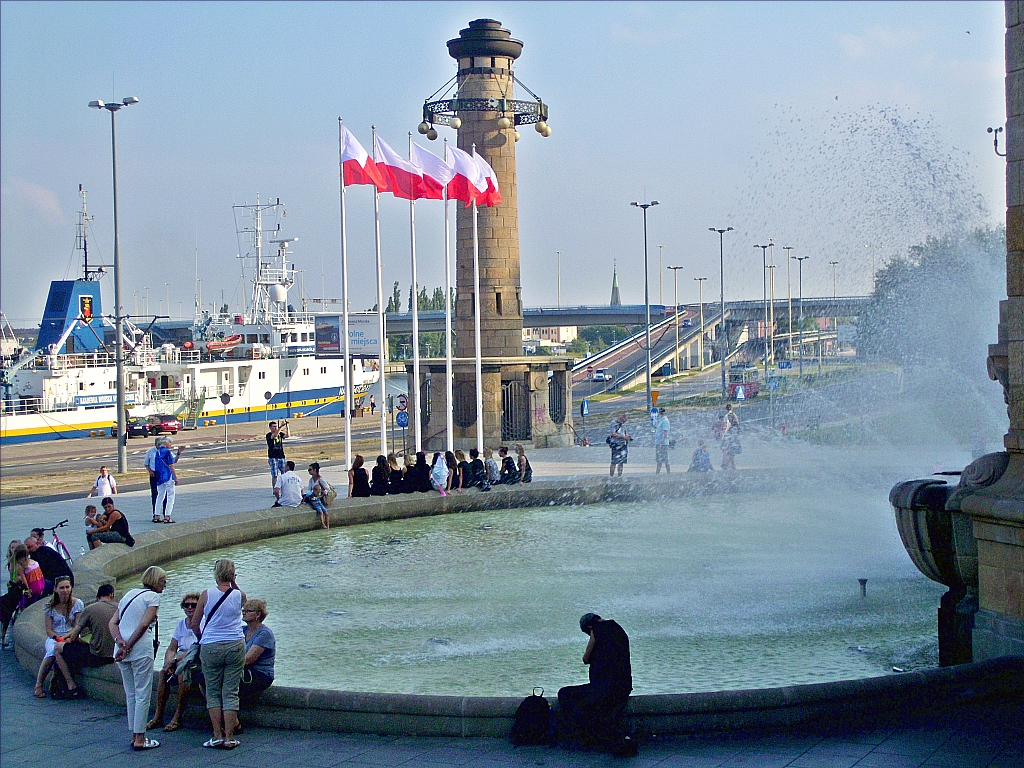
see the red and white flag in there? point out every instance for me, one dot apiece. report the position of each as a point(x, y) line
point(404, 179)
point(493, 195)
point(357, 165)
point(469, 182)
point(436, 173)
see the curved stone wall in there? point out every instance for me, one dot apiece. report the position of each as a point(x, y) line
point(311, 709)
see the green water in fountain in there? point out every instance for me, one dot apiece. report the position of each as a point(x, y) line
point(725, 592)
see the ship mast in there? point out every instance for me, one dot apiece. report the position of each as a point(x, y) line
point(82, 240)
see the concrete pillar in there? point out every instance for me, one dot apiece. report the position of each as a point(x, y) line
point(485, 52)
point(997, 511)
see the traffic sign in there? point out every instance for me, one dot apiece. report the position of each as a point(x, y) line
point(225, 398)
point(741, 393)
point(584, 408)
point(590, 372)
point(654, 415)
point(783, 364)
point(773, 384)
point(403, 404)
point(402, 419)
point(654, 396)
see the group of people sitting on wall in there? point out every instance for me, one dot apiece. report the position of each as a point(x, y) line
point(447, 472)
point(33, 569)
point(231, 666)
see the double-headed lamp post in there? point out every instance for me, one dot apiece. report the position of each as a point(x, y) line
point(122, 431)
point(764, 289)
point(675, 294)
point(647, 299)
point(801, 260)
point(700, 301)
point(721, 286)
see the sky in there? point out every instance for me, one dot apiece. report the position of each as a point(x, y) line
point(847, 131)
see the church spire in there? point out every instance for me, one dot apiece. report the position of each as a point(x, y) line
point(616, 301)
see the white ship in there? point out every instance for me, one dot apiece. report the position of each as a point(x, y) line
point(264, 359)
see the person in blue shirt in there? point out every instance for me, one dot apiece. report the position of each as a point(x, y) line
point(166, 478)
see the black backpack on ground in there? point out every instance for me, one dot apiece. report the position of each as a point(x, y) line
point(532, 723)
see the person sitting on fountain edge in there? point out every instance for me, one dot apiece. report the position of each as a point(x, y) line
point(591, 715)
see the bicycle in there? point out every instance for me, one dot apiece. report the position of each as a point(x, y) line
point(57, 545)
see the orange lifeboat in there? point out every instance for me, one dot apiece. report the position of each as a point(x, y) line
point(224, 345)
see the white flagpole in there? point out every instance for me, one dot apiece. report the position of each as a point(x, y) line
point(380, 309)
point(476, 333)
point(347, 380)
point(449, 377)
point(414, 395)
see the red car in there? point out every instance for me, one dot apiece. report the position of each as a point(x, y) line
point(163, 423)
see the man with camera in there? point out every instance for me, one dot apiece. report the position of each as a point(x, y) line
point(275, 450)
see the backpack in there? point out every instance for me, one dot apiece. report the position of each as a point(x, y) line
point(532, 724)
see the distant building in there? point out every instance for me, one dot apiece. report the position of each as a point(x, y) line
point(616, 301)
point(554, 338)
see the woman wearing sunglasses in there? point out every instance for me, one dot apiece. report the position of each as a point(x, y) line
point(176, 669)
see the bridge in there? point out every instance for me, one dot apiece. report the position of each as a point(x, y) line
point(432, 321)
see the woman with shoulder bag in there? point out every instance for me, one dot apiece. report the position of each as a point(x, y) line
point(135, 616)
point(317, 495)
point(221, 651)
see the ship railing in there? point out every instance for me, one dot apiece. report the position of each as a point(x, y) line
point(190, 356)
point(81, 360)
point(170, 393)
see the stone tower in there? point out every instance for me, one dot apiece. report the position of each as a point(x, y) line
point(485, 52)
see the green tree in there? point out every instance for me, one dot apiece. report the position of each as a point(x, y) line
point(395, 302)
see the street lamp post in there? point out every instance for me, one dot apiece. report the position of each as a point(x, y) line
point(122, 432)
point(771, 306)
point(835, 309)
point(661, 274)
point(647, 299)
point(801, 260)
point(675, 288)
point(764, 289)
point(789, 295)
point(558, 281)
point(721, 285)
point(700, 300)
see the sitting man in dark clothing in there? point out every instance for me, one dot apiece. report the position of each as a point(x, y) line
point(591, 715)
point(53, 565)
point(477, 472)
point(509, 469)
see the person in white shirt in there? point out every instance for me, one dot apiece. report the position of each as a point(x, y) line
point(105, 485)
point(662, 441)
point(132, 630)
point(176, 668)
point(288, 487)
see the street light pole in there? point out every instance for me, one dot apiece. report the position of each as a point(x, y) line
point(661, 274)
point(771, 305)
point(835, 309)
point(801, 260)
point(700, 300)
point(721, 284)
point(764, 289)
point(647, 300)
point(789, 295)
point(675, 288)
point(122, 431)
point(558, 269)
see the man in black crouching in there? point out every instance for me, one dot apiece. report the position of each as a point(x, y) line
point(592, 715)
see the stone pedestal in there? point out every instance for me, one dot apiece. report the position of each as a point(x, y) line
point(526, 400)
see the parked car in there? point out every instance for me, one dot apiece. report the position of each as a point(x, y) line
point(137, 426)
point(164, 423)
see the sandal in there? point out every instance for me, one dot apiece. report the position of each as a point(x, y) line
point(172, 726)
point(214, 744)
point(231, 744)
point(40, 693)
point(167, 520)
point(157, 519)
point(147, 744)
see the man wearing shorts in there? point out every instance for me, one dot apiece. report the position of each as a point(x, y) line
point(275, 451)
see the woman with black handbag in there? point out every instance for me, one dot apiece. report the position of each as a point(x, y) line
point(136, 614)
point(221, 651)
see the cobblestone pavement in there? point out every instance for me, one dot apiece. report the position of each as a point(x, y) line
point(38, 732)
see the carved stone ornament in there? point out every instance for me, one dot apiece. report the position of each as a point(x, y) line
point(980, 473)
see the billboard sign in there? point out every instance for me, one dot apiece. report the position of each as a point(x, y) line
point(362, 333)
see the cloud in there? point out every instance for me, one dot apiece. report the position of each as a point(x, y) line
point(40, 200)
point(877, 40)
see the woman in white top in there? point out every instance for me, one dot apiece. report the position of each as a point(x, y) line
point(221, 651)
point(134, 618)
point(439, 474)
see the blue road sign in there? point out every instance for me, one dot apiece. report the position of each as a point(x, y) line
point(654, 415)
point(741, 393)
point(773, 384)
point(402, 419)
point(783, 364)
point(584, 408)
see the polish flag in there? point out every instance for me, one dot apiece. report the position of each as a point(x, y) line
point(357, 166)
point(493, 195)
point(436, 173)
point(469, 181)
point(404, 179)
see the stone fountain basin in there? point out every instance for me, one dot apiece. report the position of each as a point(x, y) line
point(313, 709)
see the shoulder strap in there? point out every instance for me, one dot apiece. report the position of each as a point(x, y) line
point(132, 601)
point(219, 602)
